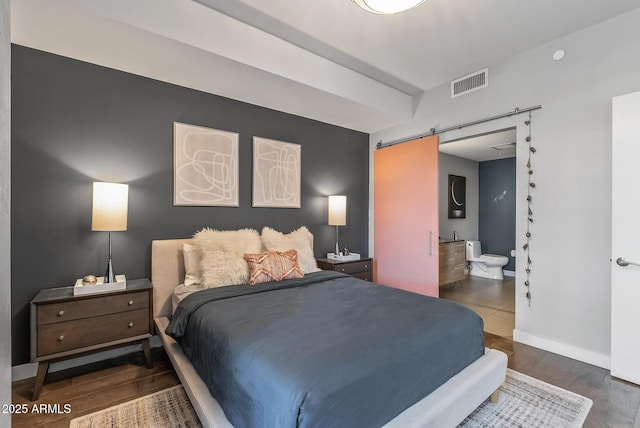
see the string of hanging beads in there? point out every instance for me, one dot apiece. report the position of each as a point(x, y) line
point(530, 187)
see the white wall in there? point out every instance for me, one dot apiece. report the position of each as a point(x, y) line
point(467, 228)
point(5, 213)
point(570, 249)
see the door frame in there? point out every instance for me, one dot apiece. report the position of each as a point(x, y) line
point(481, 135)
point(517, 195)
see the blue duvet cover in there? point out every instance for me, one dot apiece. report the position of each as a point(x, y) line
point(326, 350)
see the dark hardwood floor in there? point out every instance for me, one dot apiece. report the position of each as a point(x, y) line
point(616, 403)
point(90, 388)
point(494, 300)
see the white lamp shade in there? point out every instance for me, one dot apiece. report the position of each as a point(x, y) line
point(387, 7)
point(337, 210)
point(110, 206)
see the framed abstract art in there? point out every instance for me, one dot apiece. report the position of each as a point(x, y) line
point(276, 174)
point(205, 166)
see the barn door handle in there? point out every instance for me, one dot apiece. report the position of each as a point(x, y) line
point(621, 261)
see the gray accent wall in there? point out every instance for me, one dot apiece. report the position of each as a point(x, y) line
point(5, 207)
point(74, 123)
point(497, 208)
point(467, 228)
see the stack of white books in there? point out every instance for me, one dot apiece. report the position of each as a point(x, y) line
point(343, 257)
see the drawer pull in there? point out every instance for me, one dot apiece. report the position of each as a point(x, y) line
point(61, 313)
point(366, 266)
point(130, 324)
point(60, 338)
point(341, 269)
point(130, 302)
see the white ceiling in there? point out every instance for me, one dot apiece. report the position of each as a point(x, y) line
point(497, 145)
point(326, 60)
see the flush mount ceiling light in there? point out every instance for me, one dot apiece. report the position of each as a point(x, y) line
point(387, 7)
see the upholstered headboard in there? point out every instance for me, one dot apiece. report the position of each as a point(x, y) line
point(167, 271)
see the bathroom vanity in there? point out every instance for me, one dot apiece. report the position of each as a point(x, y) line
point(452, 261)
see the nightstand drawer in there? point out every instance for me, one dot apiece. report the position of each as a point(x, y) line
point(63, 336)
point(94, 306)
point(366, 276)
point(354, 267)
point(362, 269)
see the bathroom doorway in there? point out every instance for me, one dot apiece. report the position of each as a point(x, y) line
point(487, 162)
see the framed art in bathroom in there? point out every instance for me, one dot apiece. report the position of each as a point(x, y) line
point(457, 196)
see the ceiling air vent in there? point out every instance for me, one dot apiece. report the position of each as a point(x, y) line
point(470, 82)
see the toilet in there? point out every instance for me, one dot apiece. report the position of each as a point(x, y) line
point(484, 265)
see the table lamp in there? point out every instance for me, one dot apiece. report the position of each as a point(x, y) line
point(337, 215)
point(110, 205)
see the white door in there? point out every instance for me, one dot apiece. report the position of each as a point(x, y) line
point(625, 267)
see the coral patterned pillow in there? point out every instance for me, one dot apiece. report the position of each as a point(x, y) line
point(273, 266)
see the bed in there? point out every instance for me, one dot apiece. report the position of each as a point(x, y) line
point(447, 405)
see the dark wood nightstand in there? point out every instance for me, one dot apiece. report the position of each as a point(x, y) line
point(362, 268)
point(64, 326)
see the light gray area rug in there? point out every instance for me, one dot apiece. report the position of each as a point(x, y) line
point(524, 402)
point(167, 408)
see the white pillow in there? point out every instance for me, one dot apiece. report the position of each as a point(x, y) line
point(222, 255)
point(180, 292)
point(300, 240)
point(192, 272)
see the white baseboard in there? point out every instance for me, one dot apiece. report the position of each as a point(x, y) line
point(586, 356)
point(25, 371)
point(510, 273)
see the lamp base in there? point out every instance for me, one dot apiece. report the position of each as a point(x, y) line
point(109, 276)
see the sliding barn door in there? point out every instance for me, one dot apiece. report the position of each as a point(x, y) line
point(406, 215)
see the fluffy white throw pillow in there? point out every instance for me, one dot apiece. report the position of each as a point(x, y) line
point(222, 255)
point(300, 240)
